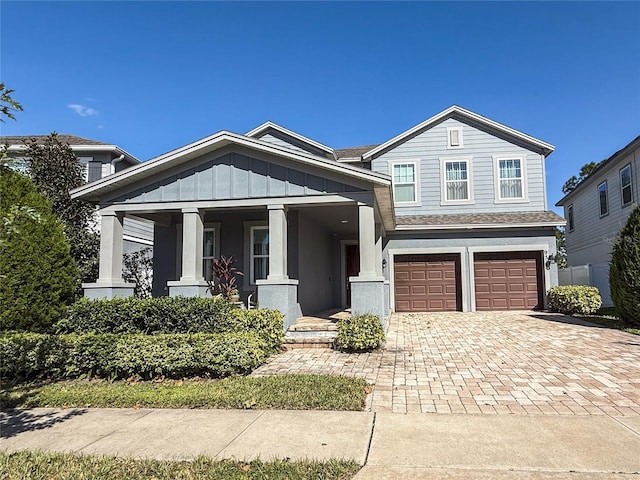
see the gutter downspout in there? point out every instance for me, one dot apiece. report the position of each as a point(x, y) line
point(116, 160)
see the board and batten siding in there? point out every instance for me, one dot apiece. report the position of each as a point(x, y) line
point(593, 236)
point(431, 145)
point(233, 176)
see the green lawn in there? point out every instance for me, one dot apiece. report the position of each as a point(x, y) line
point(23, 465)
point(293, 392)
point(606, 317)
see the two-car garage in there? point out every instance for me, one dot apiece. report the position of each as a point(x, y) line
point(501, 281)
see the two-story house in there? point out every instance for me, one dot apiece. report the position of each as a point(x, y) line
point(100, 160)
point(449, 215)
point(596, 211)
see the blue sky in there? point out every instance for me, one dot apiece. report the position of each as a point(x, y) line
point(153, 76)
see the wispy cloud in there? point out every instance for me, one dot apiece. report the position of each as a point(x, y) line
point(82, 110)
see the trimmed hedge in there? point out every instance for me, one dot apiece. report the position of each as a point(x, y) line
point(28, 356)
point(170, 315)
point(571, 299)
point(359, 334)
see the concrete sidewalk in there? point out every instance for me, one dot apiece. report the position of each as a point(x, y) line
point(411, 446)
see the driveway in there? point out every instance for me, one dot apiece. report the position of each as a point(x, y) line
point(488, 363)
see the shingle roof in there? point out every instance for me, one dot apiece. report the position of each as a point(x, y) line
point(353, 152)
point(481, 219)
point(65, 138)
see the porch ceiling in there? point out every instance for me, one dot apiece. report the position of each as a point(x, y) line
point(340, 221)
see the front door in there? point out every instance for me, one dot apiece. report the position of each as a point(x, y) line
point(352, 262)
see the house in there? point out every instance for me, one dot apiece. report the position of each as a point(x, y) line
point(596, 211)
point(448, 215)
point(100, 160)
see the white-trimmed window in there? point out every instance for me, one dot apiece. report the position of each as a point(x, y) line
point(84, 161)
point(456, 186)
point(603, 198)
point(626, 189)
point(570, 223)
point(208, 252)
point(510, 178)
point(259, 253)
point(454, 137)
point(405, 176)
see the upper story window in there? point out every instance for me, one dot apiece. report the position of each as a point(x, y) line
point(454, 137)
point(209, 253)
point(570, 217)
point(405, 182)
point(510, 178)
point(259, 253)
point(456, 185)
point(603, 198)
point(84, 161)
point(626, 192)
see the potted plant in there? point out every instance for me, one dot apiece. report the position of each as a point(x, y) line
point(234, 295)
point(225, 275)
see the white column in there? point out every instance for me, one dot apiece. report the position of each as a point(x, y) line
point(277, 243)
point(367, 237)
point(111, 248)
point(192, 248)
point(378, 248)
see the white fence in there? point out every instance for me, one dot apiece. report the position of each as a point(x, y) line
point(594, 274)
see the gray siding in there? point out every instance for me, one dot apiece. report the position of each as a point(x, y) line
point(592, 237)
point(282, 140)
point(138, 228)
point(429, 146)
point(234, 176)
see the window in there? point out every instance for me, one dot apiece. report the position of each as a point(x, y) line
point(208, 253)
point(456, 184)
point(405, 182)
point(625, 186)
point(570, 217)
point(510, 177)
point(454, 137)
point(84, 161)
point(259, 253)
point(603, 199)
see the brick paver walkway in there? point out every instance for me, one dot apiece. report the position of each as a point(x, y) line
point(496, 362)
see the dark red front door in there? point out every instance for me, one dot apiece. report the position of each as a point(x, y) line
point(352, 267)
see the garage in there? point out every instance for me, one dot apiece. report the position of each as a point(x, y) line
point(427, 283)
point(508, 281)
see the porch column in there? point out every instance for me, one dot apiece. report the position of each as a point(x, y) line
point(367, 289)
point(278, 291)
point(110, 283)
point(191, 283)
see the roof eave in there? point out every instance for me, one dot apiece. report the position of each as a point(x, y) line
point(485, 225)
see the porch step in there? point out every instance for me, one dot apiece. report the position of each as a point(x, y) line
point(307, 342)
point(318, 331)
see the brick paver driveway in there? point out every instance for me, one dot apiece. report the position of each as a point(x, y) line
point(496, 362)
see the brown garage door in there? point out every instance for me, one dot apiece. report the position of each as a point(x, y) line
point(427, 283)
point(508, 281)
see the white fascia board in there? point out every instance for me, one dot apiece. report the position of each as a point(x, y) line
point(86, 148)
point(486, 225)
point(267, 125)
point(219, 140)
point(547, 147)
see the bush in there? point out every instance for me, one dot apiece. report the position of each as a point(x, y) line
point(360, 333)
point(29, 356)
point(624, 271)
point(571, 299)
point(38, 277)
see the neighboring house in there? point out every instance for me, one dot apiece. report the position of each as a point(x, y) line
point(596, 211)
point(449, 215)
point(100, 160)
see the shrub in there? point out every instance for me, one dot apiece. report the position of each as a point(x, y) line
point(28, 356)
point(137, 268)
point(624, 271)
point(571, 299)
point(38, 277)
point(359, 333)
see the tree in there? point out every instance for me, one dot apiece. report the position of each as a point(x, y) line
point(7, 104)
point(586, 170)
point(38, 277)
point(55, 170)
point(624, 270)
point(138, 269)
point(561, 248)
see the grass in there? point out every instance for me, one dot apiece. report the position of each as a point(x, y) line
point(606, 317)
point(293, 392)
point(26, 464)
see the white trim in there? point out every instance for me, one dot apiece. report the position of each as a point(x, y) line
point(443, 181)
point(215, 228)
point(255, 133)
point(392, 252)
point(248, 225)
point(85, 148)
point(460, 144)
point(131, 238)
point(628, 165)
point(496, 178)
point(606, 197)
point(416, 181)
point(343, 269)
point(545, 147)
point(486, 225)
point(252, 256)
